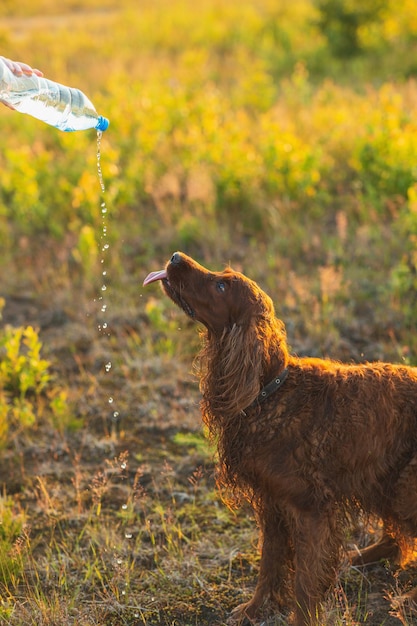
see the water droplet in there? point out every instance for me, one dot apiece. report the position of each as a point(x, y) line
point(128, 535)
point(116, 415)
point(123, 592)
point(104, 273)
point(108, 366)
point(110, 400)
point(123, 465)
point(103, 308)
point(103, 288)
point(106, 246)
point(119, 561)
point(105, 325)
point(124, 507)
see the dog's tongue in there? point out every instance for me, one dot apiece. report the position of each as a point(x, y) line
point(154, 276)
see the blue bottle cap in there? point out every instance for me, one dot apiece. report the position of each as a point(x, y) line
point(102, 123)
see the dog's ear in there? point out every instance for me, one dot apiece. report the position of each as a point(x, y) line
point(232, 380)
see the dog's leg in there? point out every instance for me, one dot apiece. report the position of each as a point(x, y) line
point(318, 539)
point(274, 567)
point(404, 500)
point(386, 548)
point(404, 507)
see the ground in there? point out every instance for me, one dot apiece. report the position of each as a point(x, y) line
point(123, 524)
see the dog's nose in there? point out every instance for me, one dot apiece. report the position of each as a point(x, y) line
point(176, 258)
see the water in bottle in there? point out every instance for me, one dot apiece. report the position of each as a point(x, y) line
point(63, 107)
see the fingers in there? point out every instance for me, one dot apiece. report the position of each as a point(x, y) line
point(19, 68)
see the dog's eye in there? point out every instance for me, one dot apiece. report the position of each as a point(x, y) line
point(220, 286)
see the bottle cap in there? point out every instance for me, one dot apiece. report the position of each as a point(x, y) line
point(102, 123)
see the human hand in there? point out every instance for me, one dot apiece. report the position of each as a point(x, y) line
point(19, 68)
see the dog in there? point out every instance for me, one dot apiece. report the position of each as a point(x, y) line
point(312, 444)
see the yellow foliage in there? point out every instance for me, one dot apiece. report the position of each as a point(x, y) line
point(245, 91)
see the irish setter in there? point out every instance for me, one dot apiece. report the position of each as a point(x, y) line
point(310, 443)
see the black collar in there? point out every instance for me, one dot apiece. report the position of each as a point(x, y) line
point(270, 388)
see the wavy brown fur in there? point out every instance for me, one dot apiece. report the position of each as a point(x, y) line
point(334, 441)
point(228, 385)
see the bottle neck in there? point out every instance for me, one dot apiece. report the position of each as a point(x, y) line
point(102, 123)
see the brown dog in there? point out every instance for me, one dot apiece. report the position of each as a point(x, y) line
point(310, 443)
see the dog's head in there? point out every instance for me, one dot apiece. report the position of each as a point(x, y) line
point(219, 300)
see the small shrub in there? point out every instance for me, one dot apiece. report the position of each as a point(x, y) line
point(25, 383)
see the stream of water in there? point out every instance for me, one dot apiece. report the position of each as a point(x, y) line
point(103, 325)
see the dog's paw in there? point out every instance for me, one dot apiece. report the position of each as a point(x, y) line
point(243, 615)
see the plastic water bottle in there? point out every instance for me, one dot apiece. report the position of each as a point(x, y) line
point(63, 107)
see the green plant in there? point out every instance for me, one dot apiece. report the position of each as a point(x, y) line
point(25, 382)
point(24, 375)
point(194, 442)
point(341, 22)
point(14, 543)
point(163, 326)
point(22, 370)
point(86, 251)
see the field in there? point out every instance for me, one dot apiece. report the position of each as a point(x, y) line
point(280, 137)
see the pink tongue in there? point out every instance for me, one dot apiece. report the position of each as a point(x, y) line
point(154, 276)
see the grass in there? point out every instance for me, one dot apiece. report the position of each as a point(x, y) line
point(119, 522)
point(241, 132)
point(106, 558)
